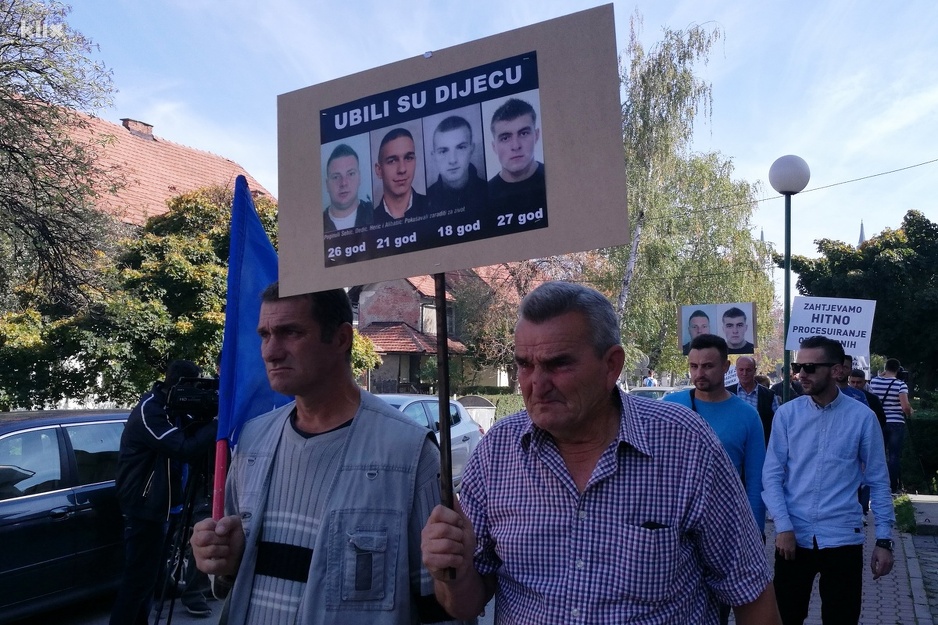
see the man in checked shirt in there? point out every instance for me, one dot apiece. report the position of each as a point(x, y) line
point(593, 506)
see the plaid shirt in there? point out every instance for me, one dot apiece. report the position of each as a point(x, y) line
point(661, 532)
point(753, 398)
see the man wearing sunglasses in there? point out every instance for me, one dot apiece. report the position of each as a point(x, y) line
point(814, 465)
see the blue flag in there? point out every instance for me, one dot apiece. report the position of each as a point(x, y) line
point(252, 265)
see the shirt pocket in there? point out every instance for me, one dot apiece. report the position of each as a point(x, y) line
point(363, 578)
point(844, 449)
point(643, 564)
point(362, 563)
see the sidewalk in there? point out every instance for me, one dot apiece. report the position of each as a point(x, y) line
point(898, 598)
point(925, 545)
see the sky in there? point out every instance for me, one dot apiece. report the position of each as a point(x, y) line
point(851, 87)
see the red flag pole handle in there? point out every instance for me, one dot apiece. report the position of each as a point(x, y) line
point(221, 472)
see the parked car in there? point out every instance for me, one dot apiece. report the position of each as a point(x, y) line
point(465, 433)
point(655, 392)
point(61, 529)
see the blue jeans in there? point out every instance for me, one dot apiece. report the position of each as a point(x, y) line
point(895, 436)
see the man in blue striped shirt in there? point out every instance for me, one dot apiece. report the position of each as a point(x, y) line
point(592, 506)
point(823, 446)
point(894, 395)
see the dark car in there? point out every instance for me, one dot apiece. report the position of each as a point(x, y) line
point(60, 525)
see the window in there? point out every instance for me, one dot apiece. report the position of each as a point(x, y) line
point(428, 319)
point(434, 408)
point(454, 417)
point(416, 412)
point(29, 463)
point(96, 448)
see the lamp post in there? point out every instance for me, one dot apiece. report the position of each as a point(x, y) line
point(788, 175)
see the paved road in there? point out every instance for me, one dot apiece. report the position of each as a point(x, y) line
point(98, 611)
point(907, 596)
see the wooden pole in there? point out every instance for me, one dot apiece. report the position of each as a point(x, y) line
point(442, 375)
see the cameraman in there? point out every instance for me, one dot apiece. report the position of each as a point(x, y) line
point(155, 443)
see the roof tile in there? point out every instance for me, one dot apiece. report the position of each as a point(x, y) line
point(397, 337)
point(154, 170)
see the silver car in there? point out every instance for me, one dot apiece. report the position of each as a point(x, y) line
point(655, 392)
point(464, 432)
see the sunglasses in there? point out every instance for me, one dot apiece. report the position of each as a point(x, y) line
point(810, 367)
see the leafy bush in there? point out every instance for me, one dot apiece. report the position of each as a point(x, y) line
point(905, 514)
point(920, 456)
point(928, 402)
point(504, 404)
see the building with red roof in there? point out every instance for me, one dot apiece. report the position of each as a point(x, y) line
point(153, 169)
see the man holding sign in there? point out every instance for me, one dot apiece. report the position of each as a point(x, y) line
point(326, 496)
point(591, 505)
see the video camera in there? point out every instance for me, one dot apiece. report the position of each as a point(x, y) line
point(196, 397)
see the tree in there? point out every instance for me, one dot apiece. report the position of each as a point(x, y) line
point(486, 304)
point(689, 219)
point(50, 233)
point(698, 250)
point(662, 98)
point(166, 300)
point(899, 270)
point(485, 312)
point(364, 355)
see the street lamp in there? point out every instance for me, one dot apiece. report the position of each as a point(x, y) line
point(788, 175)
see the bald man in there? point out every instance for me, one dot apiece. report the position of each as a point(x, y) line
point(762, 399)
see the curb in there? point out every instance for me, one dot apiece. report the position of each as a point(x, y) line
point(919, 596)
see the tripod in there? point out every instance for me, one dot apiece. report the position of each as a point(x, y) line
point(179, 563)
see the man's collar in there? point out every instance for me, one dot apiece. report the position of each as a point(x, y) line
point(630, 430)
point(834, 402)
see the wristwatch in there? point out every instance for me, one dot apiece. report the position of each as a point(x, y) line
point(884, 543)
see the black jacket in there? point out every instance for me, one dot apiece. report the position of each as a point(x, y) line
point(796, 390)
point(764, 407)
point(877, 407)
point(149, 482)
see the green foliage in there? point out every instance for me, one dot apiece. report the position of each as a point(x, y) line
point(927, 404)
point(364, 356)
point(505, 403)
point(689, 219)
point(697, 247)
point(920, 454)
point(460, 374)
point(166, 300)
point(905, 514)
point(896, 268)
point(486, 313)
point(50, 233)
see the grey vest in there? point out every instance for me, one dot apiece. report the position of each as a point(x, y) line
point(360, 571)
